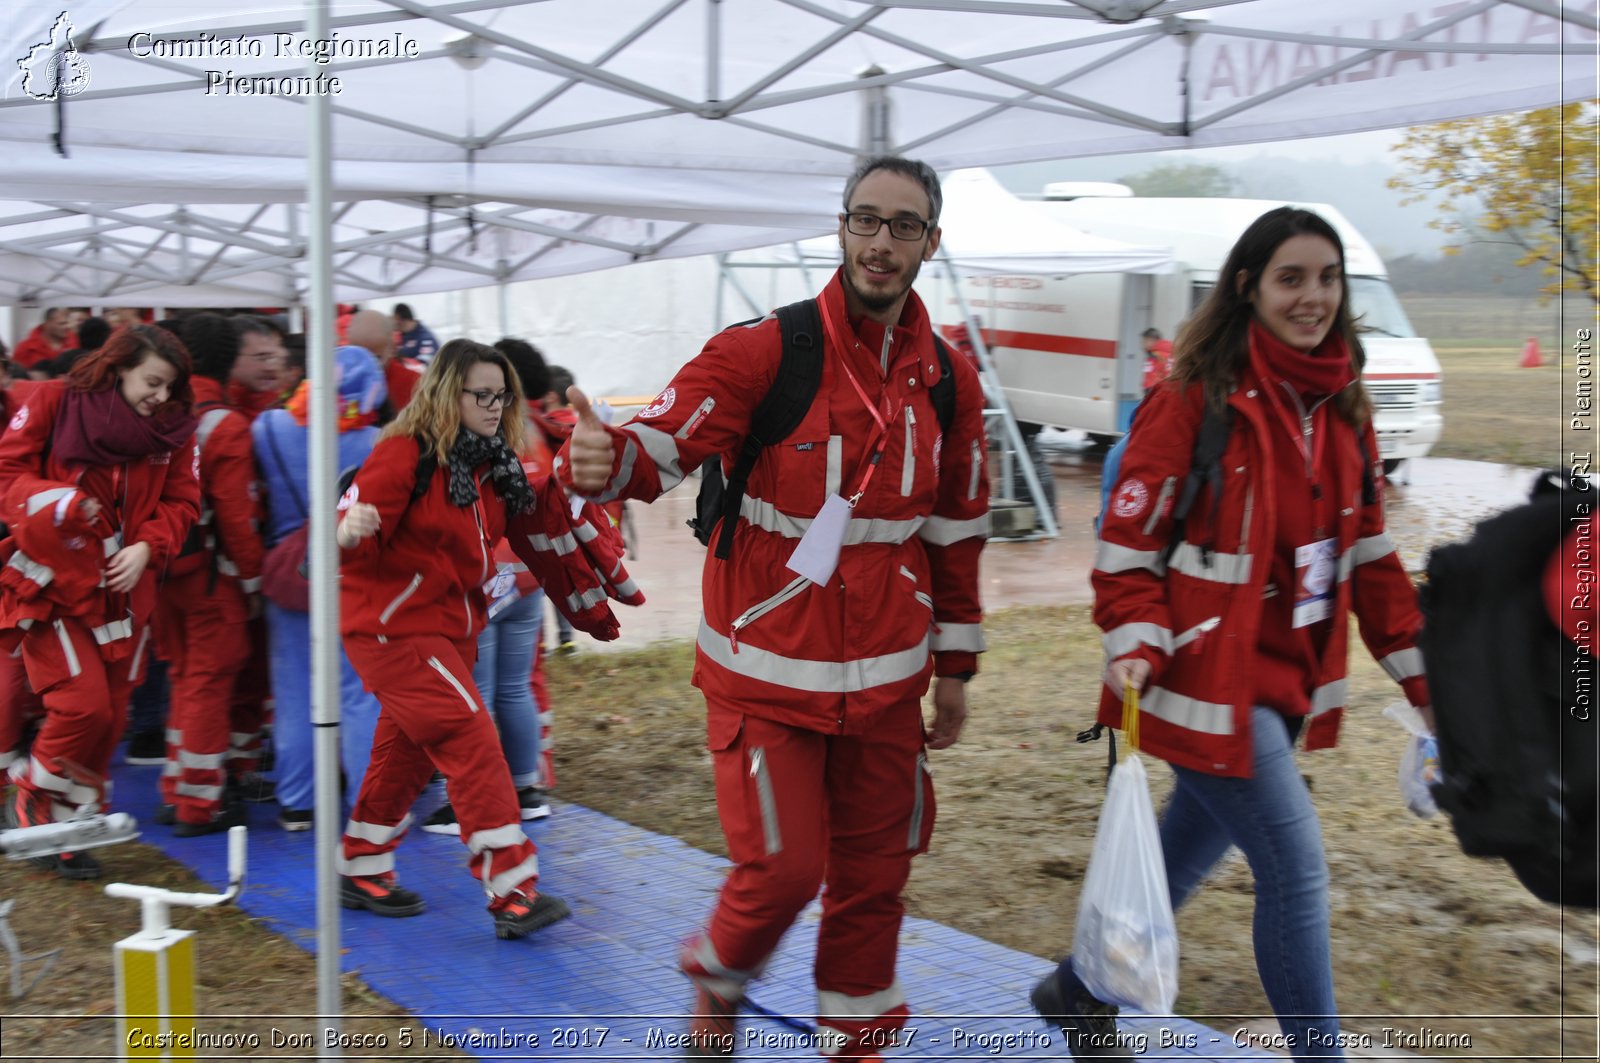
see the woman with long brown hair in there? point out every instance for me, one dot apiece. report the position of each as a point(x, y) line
point(98, 471)
point(1230, 619)
point(418, 536)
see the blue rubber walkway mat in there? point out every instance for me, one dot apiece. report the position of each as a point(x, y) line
point(603, 984)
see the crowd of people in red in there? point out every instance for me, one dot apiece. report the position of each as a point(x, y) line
point(149, 471)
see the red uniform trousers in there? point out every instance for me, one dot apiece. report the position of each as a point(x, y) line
point(86, 709)
point(19, 706)
point(203, 633)
point(432, 718)
point(249, 702)
point(802, 809)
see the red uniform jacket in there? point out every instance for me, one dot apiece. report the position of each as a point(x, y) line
point(1196, 711)
point(903, 601)
point(424, 571)
point(36, 348)
point(157, 497)
point(229, 526)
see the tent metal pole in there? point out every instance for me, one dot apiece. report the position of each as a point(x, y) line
point(324, 553)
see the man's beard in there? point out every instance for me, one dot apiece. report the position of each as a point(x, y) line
point(879, 303)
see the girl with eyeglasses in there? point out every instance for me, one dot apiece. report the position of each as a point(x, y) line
point(418, 536)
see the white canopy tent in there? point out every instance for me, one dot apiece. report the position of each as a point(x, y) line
point(487, 101)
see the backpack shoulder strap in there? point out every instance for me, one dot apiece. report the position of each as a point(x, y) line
point(944, 392)
point(1205, 466)
point(782, 408)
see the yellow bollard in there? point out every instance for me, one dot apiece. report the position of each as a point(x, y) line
point(156, 1012)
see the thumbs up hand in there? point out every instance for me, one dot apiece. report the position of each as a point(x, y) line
point(590, 449)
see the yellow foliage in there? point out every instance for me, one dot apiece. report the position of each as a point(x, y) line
point(1531, 178)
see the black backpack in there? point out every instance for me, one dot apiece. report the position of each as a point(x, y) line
point(1518, 762)
point(780, 413)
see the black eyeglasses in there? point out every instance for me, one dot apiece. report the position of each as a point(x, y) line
point(487, 399)
point(900, 228)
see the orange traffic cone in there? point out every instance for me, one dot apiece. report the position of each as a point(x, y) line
point(1531, 358)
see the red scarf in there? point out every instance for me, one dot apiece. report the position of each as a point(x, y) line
point(1325, 370)
point(100, 428)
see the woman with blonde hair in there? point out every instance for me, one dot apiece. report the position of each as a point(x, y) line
point(417, 541)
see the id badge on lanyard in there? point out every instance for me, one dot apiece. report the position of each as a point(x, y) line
point(816, 556)
point(1315, 567)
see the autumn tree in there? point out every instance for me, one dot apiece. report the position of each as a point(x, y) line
point(1527, 180)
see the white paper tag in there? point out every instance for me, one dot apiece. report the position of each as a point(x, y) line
point(500, 584)
point(817, 554)
point(1315, 566)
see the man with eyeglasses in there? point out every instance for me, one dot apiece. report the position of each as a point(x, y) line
point(851, 581)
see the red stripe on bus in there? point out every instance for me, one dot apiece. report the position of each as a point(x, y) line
point(1052, 344)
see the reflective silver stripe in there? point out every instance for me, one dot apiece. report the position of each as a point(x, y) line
point(111, 544)
point(925, 599)
point(1125, 638)
point(977, 471)
point(586, 531)
point(241, 739)
point(766, 800)
point(41, 575)
point(250, 586)
point(367, 866)
point(718, 977)
point(1403, 664)
point(7, 759)
point(502, 884)
point(614, 486)
point(200, 761)
point(496, 838)
point(116, 629)
point(170, 768)
point(208, 424)
point(1371, 548)
point(823, 677)
point(377, 833)
point(908, 470)
point(472, 702)
point(908, 574)
point(225, 564)
point(760, 513)
point(1111, 558)
point(663, 450)
point(174, 736)
point(942, 531)
point(967, 637)
point(1233, 569)
point(138, 654)
point(830, 485)
point(50, 497)
point(73, 668)
point(203, 793)
point(1328, 696)
point(578, 602)
point(914, 830)
point(411, 588)
point(1208, 717)
point(1159, 509)
point(831, 1005)
point(627, 588)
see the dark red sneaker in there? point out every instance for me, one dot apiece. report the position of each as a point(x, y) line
point(520, 915)
point(379, 894)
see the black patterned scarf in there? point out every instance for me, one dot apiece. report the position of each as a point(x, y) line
point(511, 483)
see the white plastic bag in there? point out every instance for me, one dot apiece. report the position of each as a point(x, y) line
point(1125, 945)
point(1419, 762)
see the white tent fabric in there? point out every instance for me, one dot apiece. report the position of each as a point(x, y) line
point(666, 127)
point(776, 85)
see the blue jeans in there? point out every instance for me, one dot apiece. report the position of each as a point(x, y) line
point(290, 661)
point(1269, 816)
point(563, 626)
point(504, 674)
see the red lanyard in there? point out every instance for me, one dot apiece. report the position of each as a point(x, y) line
point(884, 414)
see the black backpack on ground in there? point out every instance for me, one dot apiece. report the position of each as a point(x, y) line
point(1508, 687)
point(780, 413)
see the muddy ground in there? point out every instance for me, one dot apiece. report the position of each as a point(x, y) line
point(1424, 937)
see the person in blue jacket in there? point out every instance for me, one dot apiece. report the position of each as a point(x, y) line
point(282, 447)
